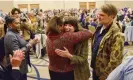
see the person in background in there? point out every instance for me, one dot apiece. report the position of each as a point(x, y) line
point(87, 22)
point(14, 73)
point(15, 12)
point(2, 32)
point(13, 41)
point(80, 57)
point(94, 22)
point(82, 18)
point(124, 71)
point(107, 43)
point(6, 72)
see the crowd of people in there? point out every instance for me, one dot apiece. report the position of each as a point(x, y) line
point(68, 34)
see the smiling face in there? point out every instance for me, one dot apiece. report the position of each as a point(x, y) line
point(69, 28)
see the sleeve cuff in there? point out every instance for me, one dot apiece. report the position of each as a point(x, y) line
point(16, 68)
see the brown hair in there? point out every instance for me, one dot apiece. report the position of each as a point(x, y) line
point(72, 21)
point(54, 24)
point(15, 9)
point(109, 9)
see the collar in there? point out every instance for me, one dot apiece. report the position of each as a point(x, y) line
point(106, 29)
point(109, 26)
point(15, 31)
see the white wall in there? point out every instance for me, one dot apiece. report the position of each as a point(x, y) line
point(99, 4)
point(45, 5)
point(60, 4)
point(6, 6)
point(71, 4)
point(121, 4)
point(57, 4)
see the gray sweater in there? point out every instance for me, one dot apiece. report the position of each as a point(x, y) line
point(13, 41)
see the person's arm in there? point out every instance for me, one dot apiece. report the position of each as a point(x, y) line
point(75, 37)
point(82, 53)
point(78, 58)
point(128, 70)
point(116, 55)
point(11, 72)
point(26, 26)
point(16, 60)
point(123, 72)
point(117, 73)
point(13, 43)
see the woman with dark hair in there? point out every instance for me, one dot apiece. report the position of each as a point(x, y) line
point(60, 68)
point(13, 41)
point(6, 72)
point(80, 56)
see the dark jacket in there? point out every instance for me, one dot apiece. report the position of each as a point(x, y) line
point(80, 61)
point(6, 74)
point(2, 49)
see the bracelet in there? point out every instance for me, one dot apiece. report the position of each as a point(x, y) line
point(17, 68)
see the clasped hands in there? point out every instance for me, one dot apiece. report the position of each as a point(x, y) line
point(16, 58)
point(33, 41)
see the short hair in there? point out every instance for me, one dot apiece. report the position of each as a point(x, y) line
point(10, 20)
point(109, 9)
point(15, 9)
point(53, 25)
point(72, 21)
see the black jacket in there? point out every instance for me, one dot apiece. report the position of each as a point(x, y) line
point(2, 49)
point(7, 74)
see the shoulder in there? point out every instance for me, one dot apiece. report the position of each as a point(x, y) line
point(10, 35)
point(66, 35)
point(119, 34)
point(116, 27)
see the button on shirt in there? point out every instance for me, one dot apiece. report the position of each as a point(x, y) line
point(98, 37)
